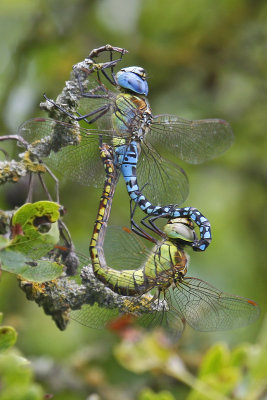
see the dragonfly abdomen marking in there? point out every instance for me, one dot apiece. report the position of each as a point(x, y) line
point(129, 282)
point(129, 159)
point(106, 156)
point(125, 282)
point(160, 269)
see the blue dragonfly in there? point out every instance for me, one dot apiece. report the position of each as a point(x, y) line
point(125, 121)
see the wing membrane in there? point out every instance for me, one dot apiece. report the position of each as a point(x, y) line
point(78, 156)
point(206, 308)
point(123, 249)
point(94, 316)
point(166, 183)
point(192, 141)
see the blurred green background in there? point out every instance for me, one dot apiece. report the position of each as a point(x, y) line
point(204, 59)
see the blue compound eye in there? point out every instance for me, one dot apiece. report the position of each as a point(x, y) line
point(134, 79)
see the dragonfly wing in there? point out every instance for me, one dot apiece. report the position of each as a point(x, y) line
point(165, 182)
point(94, 316)
point(80, 163)
point(192, 141)
point(123, 249)
point(168, 319)
point(87, 105)
point(78, 156)
point(206, 308)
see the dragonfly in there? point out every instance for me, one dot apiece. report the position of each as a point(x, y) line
point(126, 122)
point(154, 282)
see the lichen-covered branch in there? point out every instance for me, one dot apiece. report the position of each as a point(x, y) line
point(59, 297)
point(71, 93)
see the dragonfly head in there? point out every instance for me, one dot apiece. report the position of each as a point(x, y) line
point(180, 229)
point(134, 79)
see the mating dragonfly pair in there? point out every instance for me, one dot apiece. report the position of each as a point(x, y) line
point(127, 124)
point(131, 138)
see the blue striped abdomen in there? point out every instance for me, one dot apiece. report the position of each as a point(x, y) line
point(127, 158)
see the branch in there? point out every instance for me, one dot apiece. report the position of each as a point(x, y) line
point(60, 296)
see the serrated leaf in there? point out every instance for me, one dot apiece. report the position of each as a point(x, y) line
point(8, 337)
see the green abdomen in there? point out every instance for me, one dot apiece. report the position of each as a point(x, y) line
point(158, 271)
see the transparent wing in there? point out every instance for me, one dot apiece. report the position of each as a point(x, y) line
point(123, 249)
point(166, 183)
point(192, 141)
point(206, 308)
point(78, 156)
point(87, 105)
point(143, 315)
point(94, 316)
point(167, 318)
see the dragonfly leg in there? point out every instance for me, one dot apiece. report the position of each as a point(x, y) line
point(91, 94)
point(188, 212)
point(95, 53)
point(136, 228)
point(111, 80)
point(100, 111)
point(152, 226)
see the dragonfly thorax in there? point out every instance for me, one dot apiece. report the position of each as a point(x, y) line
point(180, 262)
point(131, 115)
point(133, 79)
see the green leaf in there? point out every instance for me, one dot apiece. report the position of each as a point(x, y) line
point(35, 229)
point(8, 337)
point(35, 232)
point(239, 355)
point(217, 372)
point(17, 378)
point(148, 394)
point(146, 354)
point(214, 360)
point(4, 242)
point(1, 317)
point(26, 268)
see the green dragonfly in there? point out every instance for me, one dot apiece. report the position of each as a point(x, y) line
point(153, 283)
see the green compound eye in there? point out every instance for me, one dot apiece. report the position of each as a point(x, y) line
point(180, 230)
